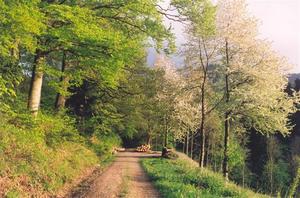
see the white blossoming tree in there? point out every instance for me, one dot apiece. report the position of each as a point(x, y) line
point(254, 79)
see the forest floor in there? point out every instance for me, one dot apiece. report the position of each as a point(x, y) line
point(124, 178)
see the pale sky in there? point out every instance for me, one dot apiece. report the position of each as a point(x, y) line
point(280, 23)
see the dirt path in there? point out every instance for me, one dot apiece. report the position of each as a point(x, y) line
point(124, 178)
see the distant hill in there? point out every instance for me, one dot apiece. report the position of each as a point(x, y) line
point(293, 77)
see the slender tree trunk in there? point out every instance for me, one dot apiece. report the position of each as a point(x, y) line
point(271, 177)
point(166, 133)
point(183, 145)
point(202, 144)
point(227, 116)
point(203, 113)
point(34, 97)
point(166, 138)
point(192, 145)
point(149, 142)
point(214, 160)
point(206, 163)
point(243, 176)
point(271, 161)
point(187, 144)
point(226, 142)
point(156, 146)
point(60, 98)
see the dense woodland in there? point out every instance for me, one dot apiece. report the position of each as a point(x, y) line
point(75, 84)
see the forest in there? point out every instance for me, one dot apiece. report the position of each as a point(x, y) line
point(75, 85)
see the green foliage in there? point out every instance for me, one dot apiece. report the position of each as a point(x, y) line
point(180, 179)
point(104, 145)
point(12, 194)
point(200, 13)
point(276, 177)
point(20, 22)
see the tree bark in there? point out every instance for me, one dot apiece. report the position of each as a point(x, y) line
point(61, 98)
point(36, 83)
point(226, 116)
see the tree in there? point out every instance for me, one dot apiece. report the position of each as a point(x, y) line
point(77, 29)
point(200, 54)
point(20, 25)
point(254, 81)
point(171, 85)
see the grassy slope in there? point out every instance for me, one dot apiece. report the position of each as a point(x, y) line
point(182, 178)
point(38, 157)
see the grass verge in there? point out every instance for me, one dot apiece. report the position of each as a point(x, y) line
point(125, 185)
point(179, 178)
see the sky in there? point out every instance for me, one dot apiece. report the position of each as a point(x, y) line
point(279, 23)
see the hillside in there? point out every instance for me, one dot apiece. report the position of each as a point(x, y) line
point(293, 77)
point(46, 157)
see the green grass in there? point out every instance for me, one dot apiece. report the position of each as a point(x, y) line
point(180, 178)
point(124, 185)
point(39, 156)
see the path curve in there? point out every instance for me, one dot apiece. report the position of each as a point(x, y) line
point(124, 178)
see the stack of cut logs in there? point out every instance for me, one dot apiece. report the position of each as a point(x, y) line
point(143, 148)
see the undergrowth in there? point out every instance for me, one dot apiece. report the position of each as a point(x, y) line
point(39, 155)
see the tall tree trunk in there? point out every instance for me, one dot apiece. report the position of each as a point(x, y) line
point(36, 83)
point(203, 117)
point(203, 113)
point(226, 117)
point(61, 98)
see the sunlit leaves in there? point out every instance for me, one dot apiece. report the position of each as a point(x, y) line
point(19, 23)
